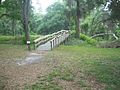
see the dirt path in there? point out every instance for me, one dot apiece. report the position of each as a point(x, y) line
point(24, 72)
point(16, 70)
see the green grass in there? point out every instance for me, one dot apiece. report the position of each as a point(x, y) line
point(88, 67)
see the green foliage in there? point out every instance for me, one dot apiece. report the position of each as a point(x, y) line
point(13, 9)
point(94, 19)
point(83, 40)
point(11, 19)
point(54, 20)
point(115, 7)
point(96, 22)
point(118, 32)
point(88, 39)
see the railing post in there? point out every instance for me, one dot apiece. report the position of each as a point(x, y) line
point(58, 40)
point(51, 44)
point(55, 42)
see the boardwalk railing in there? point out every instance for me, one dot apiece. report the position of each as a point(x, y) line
point(55, 39)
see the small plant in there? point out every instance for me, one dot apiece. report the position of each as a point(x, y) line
point(82, 83)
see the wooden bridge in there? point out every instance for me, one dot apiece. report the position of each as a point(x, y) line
point(51, 41)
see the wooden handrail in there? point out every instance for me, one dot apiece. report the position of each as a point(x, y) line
point(42, 40)
point(59, 39)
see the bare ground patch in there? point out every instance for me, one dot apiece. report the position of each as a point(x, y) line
point(14, 76)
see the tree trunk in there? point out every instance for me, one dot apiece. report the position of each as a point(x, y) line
point(69, 13)
point(78, 20)
point(25, 19)
point(13, 27)
point(0, 2)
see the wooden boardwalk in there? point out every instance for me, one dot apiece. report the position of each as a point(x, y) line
point(44, 44)
point(44, 47)
point(51, 41)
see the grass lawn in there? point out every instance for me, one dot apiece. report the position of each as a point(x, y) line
point(81, 68)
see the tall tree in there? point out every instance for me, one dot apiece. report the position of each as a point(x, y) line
point(25, 7)
point(77, 19)
point(82, 9)
point(69, 5)
point(74, 13)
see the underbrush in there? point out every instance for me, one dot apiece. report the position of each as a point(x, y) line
point(85, 40)
point(82, 41)
point(109, 44)
point(16, 39)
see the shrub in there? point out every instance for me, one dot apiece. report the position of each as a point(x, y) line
point(88, 39)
